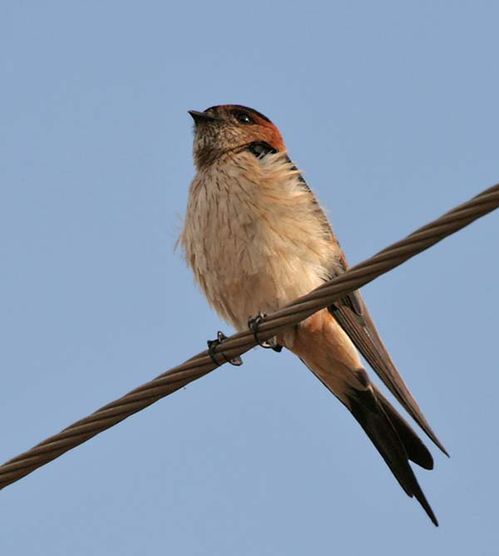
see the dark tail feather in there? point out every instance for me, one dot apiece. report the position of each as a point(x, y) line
point(416, 450)
point(352, 315)
point(393, 438)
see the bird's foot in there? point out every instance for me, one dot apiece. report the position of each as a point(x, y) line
point(213, 344)
point(271, 343)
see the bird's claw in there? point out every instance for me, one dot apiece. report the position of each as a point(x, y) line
point(271, 343)
point(213, 344)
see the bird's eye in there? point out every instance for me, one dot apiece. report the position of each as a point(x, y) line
point(243, 118)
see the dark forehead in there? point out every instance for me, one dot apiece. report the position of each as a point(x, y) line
point(231, 107)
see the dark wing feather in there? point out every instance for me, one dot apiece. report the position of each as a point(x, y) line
point(352, 315)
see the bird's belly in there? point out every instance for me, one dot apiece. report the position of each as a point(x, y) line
point(261, 274)
point(255, 243)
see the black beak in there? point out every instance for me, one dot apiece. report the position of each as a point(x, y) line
point(200, 117)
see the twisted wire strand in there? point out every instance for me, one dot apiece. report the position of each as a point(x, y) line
point(201, 364)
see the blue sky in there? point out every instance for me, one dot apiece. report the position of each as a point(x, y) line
point(390, 109)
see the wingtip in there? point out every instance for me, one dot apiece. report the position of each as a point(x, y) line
point(433, 437)
point(367, 340)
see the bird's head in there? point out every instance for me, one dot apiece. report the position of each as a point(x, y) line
point(231, 128)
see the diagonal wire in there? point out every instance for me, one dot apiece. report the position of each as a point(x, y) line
point(201, 364)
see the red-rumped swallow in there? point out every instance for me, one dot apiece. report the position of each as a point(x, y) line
point(256, 238)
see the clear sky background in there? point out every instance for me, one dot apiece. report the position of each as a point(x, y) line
point(391, 110)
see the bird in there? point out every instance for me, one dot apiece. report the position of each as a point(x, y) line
point(256, 237)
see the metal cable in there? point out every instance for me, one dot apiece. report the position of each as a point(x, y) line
point(201, 364)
